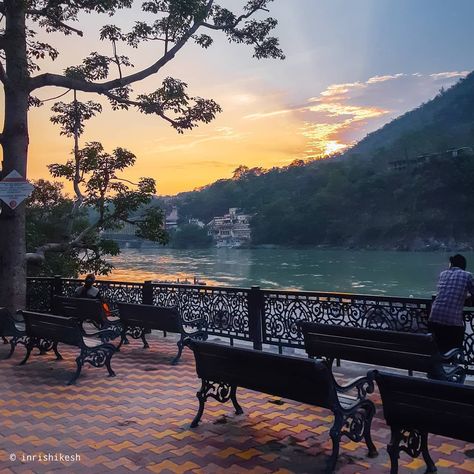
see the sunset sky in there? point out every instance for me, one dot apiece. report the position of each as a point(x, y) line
point(352, 65)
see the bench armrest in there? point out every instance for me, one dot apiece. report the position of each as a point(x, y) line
point(453, 356)
point(363, 385)
point(106, 334)
point(200, 324)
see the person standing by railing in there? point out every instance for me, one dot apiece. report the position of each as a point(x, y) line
point(446, 317)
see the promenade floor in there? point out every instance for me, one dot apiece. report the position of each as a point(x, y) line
point(139, 421)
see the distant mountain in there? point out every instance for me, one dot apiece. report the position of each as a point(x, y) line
point(359, 199)
point(445, 122)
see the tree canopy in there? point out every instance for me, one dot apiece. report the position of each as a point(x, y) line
point(171, 24)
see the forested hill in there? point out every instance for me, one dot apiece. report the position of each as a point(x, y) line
point(359, 200)
point(445, 122)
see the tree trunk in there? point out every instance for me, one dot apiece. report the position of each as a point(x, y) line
point(15, 152)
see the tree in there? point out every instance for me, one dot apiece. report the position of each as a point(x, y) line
point(190, 236)
point(172, 23)
point(98, 187)
point(113, 201)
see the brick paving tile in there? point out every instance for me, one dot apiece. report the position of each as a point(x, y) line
point(140, 421)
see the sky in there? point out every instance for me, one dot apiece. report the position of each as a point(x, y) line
point(351, 66)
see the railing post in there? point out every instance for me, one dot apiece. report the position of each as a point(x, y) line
point(256, 308)
point(147, 293)
point(56, 290)
point(57, 285)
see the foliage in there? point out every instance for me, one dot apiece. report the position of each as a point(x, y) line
point(190, 236)
point(170, 23)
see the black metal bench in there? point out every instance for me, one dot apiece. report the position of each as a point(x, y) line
point(222, 369)
point(13, 329)
point(137, 319)
point(414, 407)
point(86, 310)
point(410, 351)
point(46, 331)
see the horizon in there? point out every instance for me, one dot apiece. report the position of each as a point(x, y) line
point(350, 69)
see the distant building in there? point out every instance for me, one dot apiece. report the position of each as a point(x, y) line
point(230, 230)
point(197, 222)
point(171, 221)
point(400, 165)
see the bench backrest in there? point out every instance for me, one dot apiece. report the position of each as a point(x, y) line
point(7, 324)
point(80, 308)
point(299, 379)
point(371, 346)
point(53, 327)
point(437, 407)
point(150, 316)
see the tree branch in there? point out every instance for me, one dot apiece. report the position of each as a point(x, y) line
point(44, 13)
point(61, 81)
point(238, 20)
point(135, 103)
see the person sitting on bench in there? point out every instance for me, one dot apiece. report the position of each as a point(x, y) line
point(88, 290)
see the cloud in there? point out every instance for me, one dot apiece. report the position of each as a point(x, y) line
point(449, 74)
point(343, 113)
point(219, 133)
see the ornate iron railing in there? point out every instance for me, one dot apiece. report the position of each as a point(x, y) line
point(225, 309)
point(260, 316)
point(282, 310)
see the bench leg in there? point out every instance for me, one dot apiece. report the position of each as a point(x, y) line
point(29, 348)
point(430, 465)
point(335, 434)
point(79, 363)
point(233, 397)
point(202, 397)
point(370, 412)
point(393, 448)
point(12, 348)
point(180, 350)
point(145, 342)
point(55, 349)
point(107, 364)
point(5, 340)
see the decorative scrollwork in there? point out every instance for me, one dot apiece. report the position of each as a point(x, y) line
point(226, 311)
point(217, 390)
point(135, 331)
point(411, 442)
point(96, 357)
point(44, 345)
point(283, 309)
point(354, 425)
point(38, 293)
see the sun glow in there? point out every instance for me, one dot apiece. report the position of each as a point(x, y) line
point(333, 146)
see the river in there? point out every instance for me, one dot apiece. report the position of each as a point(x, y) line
point(365, 272)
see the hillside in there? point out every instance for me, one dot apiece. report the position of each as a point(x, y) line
point(447, 121)
point(358, 200)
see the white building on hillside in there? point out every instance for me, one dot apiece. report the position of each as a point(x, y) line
point(230, 230)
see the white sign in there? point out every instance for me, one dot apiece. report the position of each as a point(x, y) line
point(14, 189)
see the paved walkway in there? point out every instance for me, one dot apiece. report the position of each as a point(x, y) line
point(139, 422)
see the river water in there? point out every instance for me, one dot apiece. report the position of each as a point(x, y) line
point(364, 272)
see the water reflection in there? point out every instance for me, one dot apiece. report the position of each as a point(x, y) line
point(368, 272)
